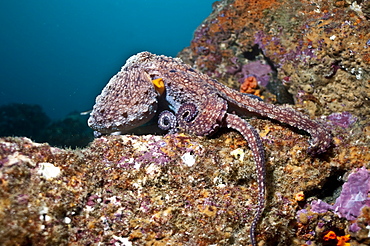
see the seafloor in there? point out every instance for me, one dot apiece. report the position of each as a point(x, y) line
point(186, 190)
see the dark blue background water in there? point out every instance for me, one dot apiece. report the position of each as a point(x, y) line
point(61, 53)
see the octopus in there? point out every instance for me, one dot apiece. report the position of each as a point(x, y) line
point(183, 99)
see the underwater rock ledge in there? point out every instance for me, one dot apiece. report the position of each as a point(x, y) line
point(173, 189)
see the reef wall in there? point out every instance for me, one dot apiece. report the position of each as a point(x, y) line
point(185, 190)
point(317, 50)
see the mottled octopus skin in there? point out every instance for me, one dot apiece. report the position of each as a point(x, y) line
point(197, 105)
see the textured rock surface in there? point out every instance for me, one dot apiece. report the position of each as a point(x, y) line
point(318, 50)
point(185, 190)
point(173, 189)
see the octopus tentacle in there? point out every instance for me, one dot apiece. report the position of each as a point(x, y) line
point(255, 144)
point(167, 121)
point(202, 119)
point(320, 138)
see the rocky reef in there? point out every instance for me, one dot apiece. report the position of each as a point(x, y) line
point(184, 190)
point(179, 189)
point(318, 51)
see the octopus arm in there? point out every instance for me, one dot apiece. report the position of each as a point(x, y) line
point(256, 146)
point(320, 138)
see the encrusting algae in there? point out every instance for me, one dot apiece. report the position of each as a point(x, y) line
point(182, 189)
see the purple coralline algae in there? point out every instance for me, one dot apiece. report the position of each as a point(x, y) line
point(344, 119)
point(201, 191)
point(259, 70)
point(354, 195)
point(353, 198)
point(319, 206)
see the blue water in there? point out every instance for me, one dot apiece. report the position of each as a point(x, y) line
point(61, 53)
